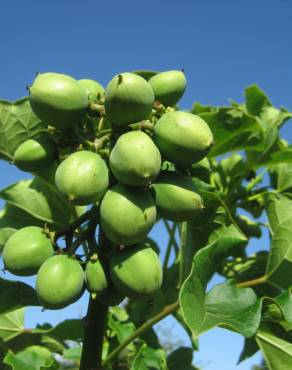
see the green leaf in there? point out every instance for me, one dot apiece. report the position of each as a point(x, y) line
point(149, 359)
point(181, 358)
point(279, 210)
point(249, 349)
point(120, 325)
point(236, 309)
point(233, 129)
point(40, 199)
point(32, 358)
point(282, 177)
point(284, 301)
point(17, 124)
point(67, 330)
point(272, 116)
point(15, 294)
point(256, 100)
point(277, 349)
point(15, 218)
point(11, 324)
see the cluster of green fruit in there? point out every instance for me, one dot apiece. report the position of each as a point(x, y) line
point(144, 175)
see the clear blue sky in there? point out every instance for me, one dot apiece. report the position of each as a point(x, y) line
point(222, 45)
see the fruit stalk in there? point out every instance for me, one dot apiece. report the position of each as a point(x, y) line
point(94, 328)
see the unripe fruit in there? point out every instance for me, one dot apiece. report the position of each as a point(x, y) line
point(26, 250)
point(59, 282)
point(175, 197)
point(127, 214)
point(94, 90)
point(96, 277)
point(182, 138)
point(128, 99)
point(58, 100)
point(168, 87)
point(82, 177)
point(135, 160)
point(35, 154)
point(136, 272)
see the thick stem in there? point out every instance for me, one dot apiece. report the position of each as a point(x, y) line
point(147, 325)
point(94, 329)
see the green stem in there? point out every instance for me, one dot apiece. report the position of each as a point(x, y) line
point(169, 245)
point(253, 282)
point(146, 125)
point(185, 254)
point(94, 329)
point(147, 325)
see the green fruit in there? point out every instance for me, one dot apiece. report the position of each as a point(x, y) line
point(58, 100)
point(128, 99)
point(182, 138)
point(135, 160)
point(59, 282)
point(168, 87)
point(111, 297)
point(35, 154)
point(82, 177)
point(96, 277)
point(127, 214)
point(94, 90)
point(26, 250)
point(175, 197)
point(136, 272)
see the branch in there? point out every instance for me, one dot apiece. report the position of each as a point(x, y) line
point(146, 125)
point(74, 225)
point(147, 325)
point(94, 329)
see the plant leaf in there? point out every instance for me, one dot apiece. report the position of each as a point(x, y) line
point(279, 210)
point(32, 358)
point(256, 100)
point(181, 358)
point(277, 349)
point(17, 124)
point(233, 129)
point(225, 305)
point(11, 324)
point(40, 199)
point(15, 294)
point(149, 358)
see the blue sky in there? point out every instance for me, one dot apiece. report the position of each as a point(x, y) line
point(223, 46)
